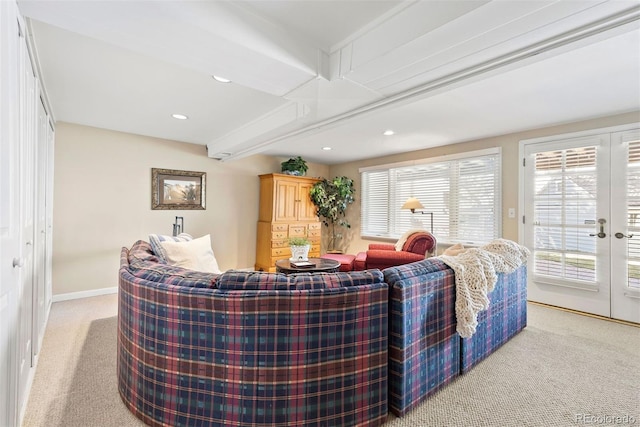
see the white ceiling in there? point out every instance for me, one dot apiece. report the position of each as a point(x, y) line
point(309, 74)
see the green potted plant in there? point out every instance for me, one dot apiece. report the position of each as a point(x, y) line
point(299, 248)
point(294, 166)
point(332, 198)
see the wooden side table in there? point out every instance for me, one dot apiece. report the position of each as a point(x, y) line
point(321, 265)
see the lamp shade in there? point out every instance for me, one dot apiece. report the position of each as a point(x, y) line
point(412, 203)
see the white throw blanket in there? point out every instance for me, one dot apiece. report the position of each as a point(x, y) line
point(476, 272)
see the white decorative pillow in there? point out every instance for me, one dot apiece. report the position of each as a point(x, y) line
point(194, 254)
point(156, 239)
point(454, 250)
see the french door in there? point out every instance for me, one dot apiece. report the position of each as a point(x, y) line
point(581, 200)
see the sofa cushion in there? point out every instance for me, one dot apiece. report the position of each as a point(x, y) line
point(414, 269)
point(194, 254)
point(156, 239)
point(252, 280)
point(334, 280)
point(262, 281)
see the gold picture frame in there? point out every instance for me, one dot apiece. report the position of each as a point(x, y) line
point(176, 190)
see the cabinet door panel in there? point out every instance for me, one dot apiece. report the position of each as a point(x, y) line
point(285, 205)
point(306, 208)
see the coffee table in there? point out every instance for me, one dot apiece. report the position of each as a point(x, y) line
point(321, 265)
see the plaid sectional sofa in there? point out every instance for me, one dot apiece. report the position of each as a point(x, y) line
point(425, 351)
point(251, 348)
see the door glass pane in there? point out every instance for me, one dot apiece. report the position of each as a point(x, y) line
point(565, 213)
point(633, 213)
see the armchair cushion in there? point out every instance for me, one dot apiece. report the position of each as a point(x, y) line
point(382, 259)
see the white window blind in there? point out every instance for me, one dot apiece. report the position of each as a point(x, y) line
point(463, 193)
point(633, 215)
point(565, 213)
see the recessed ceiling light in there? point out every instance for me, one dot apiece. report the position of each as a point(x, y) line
point(221, 79)
point(326, 148)
point(179, 116)
point(388, 132)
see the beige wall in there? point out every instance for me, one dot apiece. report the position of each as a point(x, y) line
point(102, 202)
point(102, 196)
point(509, 145)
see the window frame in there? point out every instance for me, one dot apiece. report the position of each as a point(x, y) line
point(451, 159)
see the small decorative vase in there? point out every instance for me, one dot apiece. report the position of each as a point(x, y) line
point(300, 253)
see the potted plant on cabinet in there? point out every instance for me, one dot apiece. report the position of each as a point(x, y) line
point(294, 166)
point(332, 198)
point(299, 248)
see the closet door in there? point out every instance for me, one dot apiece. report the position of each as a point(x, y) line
point(27, 219)
point(41, 269)
point(10, 260)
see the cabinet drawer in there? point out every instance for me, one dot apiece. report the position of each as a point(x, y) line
point(278, 235)
point(279, 244)
point(315, 226)
point(280, 253)
point(297, 231)
point(279, 227)
point(314, 233)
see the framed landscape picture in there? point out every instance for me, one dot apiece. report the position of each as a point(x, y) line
point(175, 189)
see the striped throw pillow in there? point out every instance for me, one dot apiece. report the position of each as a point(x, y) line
point(155, 239)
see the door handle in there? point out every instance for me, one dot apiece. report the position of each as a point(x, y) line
point(18, 262)
point(621, 235)
point(601, 234)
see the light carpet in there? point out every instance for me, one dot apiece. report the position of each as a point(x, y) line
point(564, 369)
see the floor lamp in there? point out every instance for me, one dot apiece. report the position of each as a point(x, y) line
point(412, 204)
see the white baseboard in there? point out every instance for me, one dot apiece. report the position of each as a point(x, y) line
point(85, 294)
point(104, 291)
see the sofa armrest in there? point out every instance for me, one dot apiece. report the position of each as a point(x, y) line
point(383, 258)
point(424, 348)
point(382, 246)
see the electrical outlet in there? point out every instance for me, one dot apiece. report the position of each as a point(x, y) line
point(512, 212)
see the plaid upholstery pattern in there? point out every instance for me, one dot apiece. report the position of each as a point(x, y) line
point(424, 348)
point(334, 280)
point(505, 317)
point(252, 280)
point(189, 356)
point(258, 280)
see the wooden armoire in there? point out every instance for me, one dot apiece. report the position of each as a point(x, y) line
point(286, 210)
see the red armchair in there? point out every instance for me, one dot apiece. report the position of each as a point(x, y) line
point(383, 255)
